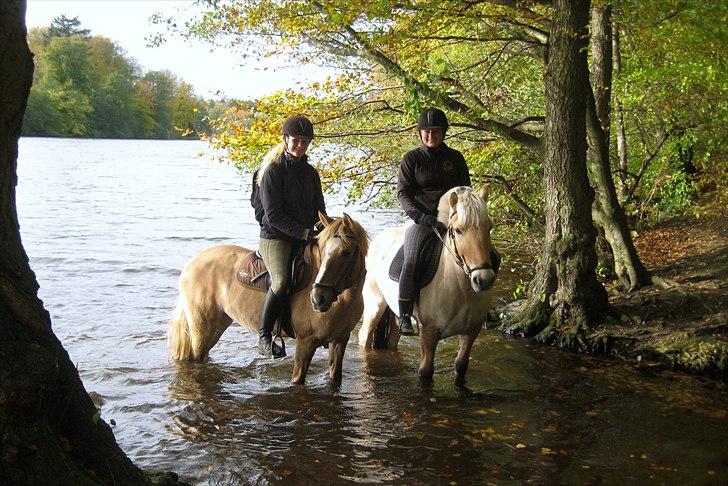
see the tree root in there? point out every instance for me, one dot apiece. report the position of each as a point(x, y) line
point(524, 320)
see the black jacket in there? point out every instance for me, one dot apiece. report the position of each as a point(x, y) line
point(291, 195)
point(425, 175)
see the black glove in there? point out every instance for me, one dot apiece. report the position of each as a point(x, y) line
point(432, 222)
point(312, 237)
point(314, 232)
point(428, 220)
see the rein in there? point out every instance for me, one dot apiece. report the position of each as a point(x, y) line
point(457, 255)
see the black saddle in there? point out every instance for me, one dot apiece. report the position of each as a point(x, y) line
point(427, 261)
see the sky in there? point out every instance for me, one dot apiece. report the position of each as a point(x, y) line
point(213, 74)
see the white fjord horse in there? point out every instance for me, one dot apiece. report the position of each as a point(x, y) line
point(455, 302)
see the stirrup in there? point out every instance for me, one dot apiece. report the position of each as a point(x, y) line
point(276, 350)
point(268, 347)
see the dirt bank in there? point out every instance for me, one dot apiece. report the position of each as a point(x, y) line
point(682, 323)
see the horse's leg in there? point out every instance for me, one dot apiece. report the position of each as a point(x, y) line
point(197, 327)
point(305, 348)
point(206, 326)
point(429, 337)
point(463, 358)
point(393, 336)
point(374, 307)
point(336, 358)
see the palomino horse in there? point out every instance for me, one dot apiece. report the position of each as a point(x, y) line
point(456, 301)
point(211, 299)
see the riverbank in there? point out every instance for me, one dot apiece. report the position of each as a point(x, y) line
point(683, 323)
point(680, 322)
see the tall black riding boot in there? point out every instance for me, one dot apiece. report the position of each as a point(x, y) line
point(271, 311)
point(405, 317)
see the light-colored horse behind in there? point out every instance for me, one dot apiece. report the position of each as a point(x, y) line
point(456, 301)
point(325, 312)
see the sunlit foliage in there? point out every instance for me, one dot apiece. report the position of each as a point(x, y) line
point(483, 63)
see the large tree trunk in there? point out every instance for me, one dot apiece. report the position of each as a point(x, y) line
point(607, 212)
point(565, 297)
point(49, 430)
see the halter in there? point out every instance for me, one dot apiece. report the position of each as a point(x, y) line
point(457, 255)
point(344, 278)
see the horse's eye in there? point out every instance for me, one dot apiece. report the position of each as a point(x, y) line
point(459, 231)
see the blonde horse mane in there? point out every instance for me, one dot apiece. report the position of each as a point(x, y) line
point(471, 207)
point(346, 229)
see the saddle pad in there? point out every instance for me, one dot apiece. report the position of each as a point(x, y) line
point(252, 273)
point(427, 262)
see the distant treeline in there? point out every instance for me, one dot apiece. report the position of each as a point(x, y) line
point(86, 86)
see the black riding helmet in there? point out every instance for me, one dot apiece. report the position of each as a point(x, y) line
point(297, 126)
point(432, 118)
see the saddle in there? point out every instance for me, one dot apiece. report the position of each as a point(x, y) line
point(253, 274)
point(427, 261)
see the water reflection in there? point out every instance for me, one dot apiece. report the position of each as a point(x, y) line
point(527, 414)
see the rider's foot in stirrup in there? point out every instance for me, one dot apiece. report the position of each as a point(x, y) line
point(268, 347)
point(405, 325)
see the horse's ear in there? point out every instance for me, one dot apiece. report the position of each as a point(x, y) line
point(485, 191)
point(453, 199)
point(325, 220)
point(347, 219)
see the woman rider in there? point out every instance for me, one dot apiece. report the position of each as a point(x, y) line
point(425, 174)
point(291, 197)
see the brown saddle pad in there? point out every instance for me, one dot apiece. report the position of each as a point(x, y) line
point(252, 273)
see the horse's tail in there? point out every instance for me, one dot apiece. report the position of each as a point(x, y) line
point(381, 331)
point(178, 333)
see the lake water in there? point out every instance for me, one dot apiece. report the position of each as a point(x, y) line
point(109, 224)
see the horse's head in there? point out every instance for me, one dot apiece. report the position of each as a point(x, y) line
point(468, 233)
point(343, 244)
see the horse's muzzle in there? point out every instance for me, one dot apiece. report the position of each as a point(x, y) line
point(322, 298)
point(482, 280)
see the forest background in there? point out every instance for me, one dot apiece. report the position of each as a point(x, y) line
point(86, 86)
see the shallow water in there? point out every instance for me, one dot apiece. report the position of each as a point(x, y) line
point(108, 225)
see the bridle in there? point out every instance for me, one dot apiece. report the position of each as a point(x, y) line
point(457, 255)
point(345, 280)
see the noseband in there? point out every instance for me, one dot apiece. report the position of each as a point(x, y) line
point(458, 256)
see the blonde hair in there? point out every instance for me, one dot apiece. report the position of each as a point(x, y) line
point(270, 158)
